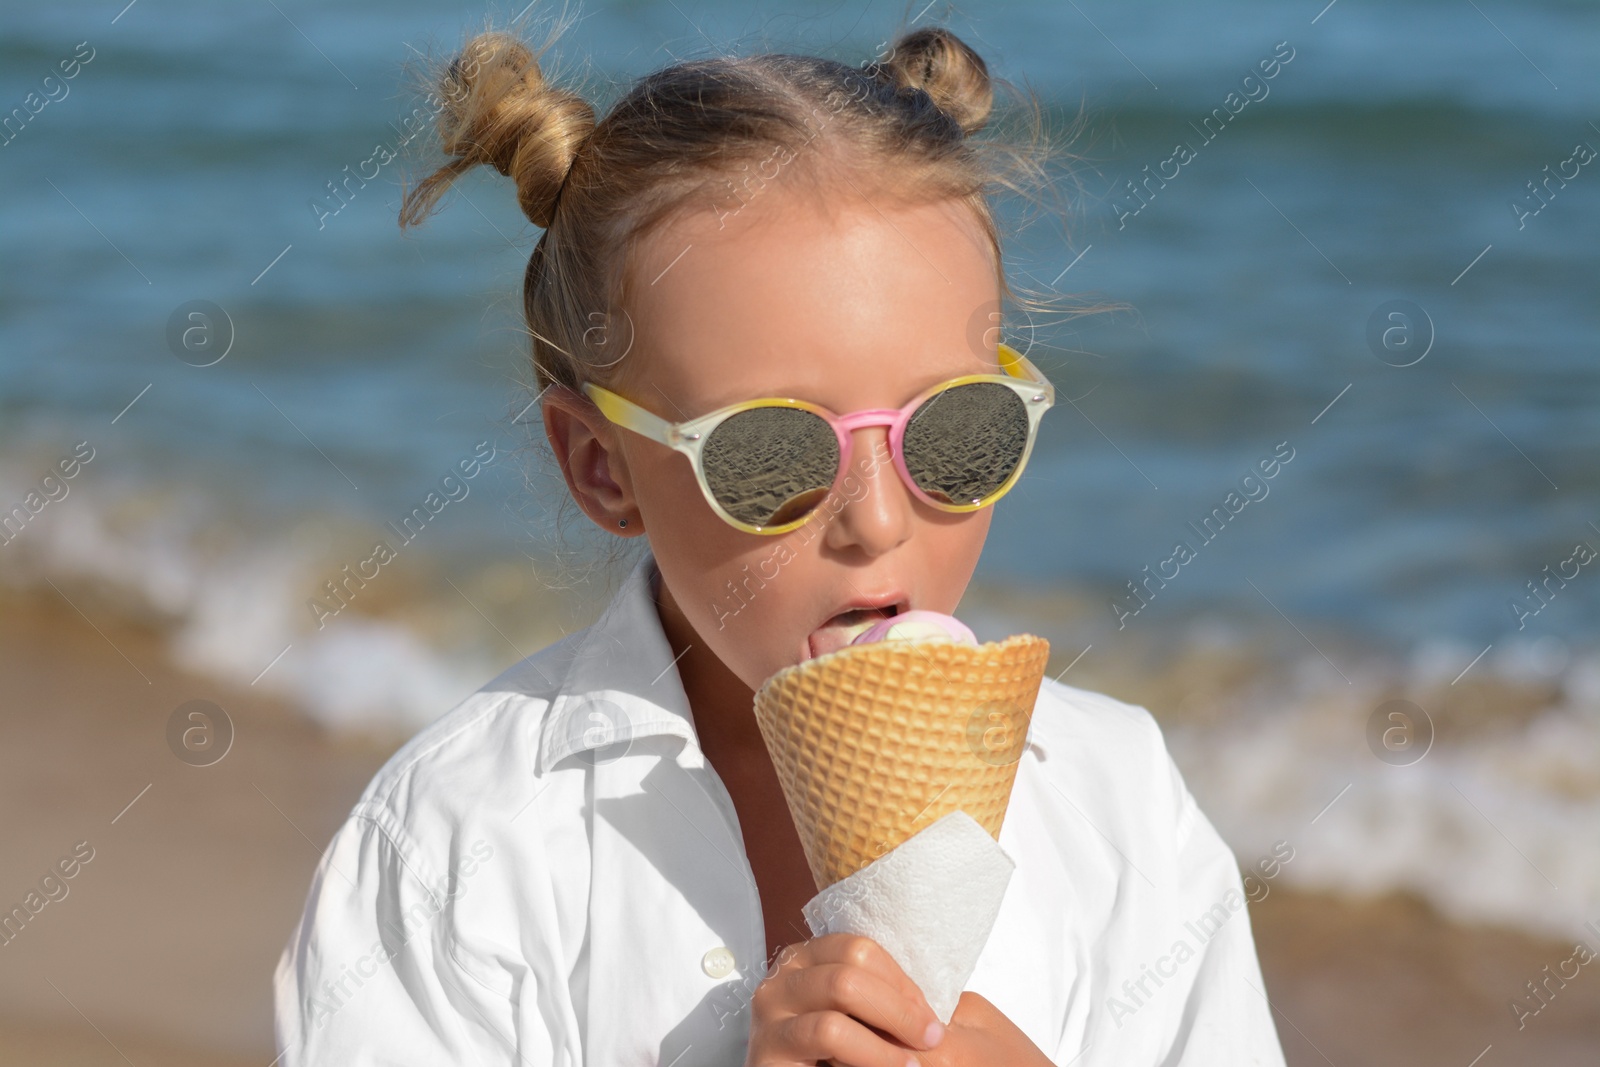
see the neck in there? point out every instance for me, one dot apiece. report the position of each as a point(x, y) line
point(719, 702)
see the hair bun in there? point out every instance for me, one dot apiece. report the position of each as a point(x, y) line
point(498, 109)
point(941, 64)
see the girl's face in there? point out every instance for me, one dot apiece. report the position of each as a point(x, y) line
point(863, 306)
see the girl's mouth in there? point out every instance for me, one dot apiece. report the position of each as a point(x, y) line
point(846, 626)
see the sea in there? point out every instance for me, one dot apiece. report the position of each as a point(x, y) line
point(1355, 243)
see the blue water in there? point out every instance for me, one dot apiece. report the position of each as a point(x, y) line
point(1383, 160)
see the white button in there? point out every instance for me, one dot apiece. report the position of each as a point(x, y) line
point(718, 962)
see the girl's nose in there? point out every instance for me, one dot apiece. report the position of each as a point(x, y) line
point(874, 505)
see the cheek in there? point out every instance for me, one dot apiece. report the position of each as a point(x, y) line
point(751, 598)
point(714, 571)
point(676, 515)
point(743, 601)
point(947, 549)
point(679, 521)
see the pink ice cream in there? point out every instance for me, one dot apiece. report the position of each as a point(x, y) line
point(917, 625)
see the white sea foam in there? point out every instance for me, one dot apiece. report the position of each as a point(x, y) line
point(1500, 825)
point(231, 598)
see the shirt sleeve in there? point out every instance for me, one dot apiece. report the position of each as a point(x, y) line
point(1225, 1020)
point(374, 974)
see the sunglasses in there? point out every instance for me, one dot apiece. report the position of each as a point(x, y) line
point(765, 465)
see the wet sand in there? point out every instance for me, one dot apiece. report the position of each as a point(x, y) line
point(163, 949)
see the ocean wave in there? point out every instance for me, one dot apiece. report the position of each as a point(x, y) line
point(1489, 824)
point(232, 595)
point(1494, 817)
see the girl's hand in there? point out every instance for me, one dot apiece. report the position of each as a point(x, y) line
point(981, 1036)
point(841, 998)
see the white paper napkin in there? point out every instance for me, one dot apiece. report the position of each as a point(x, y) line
point(930, 902)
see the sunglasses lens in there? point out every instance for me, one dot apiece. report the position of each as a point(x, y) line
point(963, 443)
point(771, 465)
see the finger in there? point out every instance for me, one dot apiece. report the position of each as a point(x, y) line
point(833, 1037)
point(863, 996)
point(867, 954)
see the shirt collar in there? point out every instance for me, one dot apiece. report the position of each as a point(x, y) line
point(623, 681)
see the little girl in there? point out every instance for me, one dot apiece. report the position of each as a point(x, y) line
point(762, 317)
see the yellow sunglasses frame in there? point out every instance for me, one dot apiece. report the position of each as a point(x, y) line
point(1018, 374)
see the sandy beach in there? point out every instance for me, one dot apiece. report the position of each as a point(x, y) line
point(163, 948)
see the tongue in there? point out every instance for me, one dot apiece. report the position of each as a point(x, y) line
point(843, 628)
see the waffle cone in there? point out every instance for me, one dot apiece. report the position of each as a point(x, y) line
point(874, 742)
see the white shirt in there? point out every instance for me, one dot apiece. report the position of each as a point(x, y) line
point(552, 873)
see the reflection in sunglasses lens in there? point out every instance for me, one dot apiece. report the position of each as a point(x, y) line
point(771, 465)
point(963, 443)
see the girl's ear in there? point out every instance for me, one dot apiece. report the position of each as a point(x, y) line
point(586, 445)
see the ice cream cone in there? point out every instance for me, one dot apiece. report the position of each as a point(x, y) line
point(875, 742)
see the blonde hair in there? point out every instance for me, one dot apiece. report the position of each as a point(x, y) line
point(696, 133)
point(681, 136)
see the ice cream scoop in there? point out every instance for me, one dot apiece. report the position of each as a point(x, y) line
point(917, 625)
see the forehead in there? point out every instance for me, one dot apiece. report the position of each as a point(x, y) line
point(861, 303)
